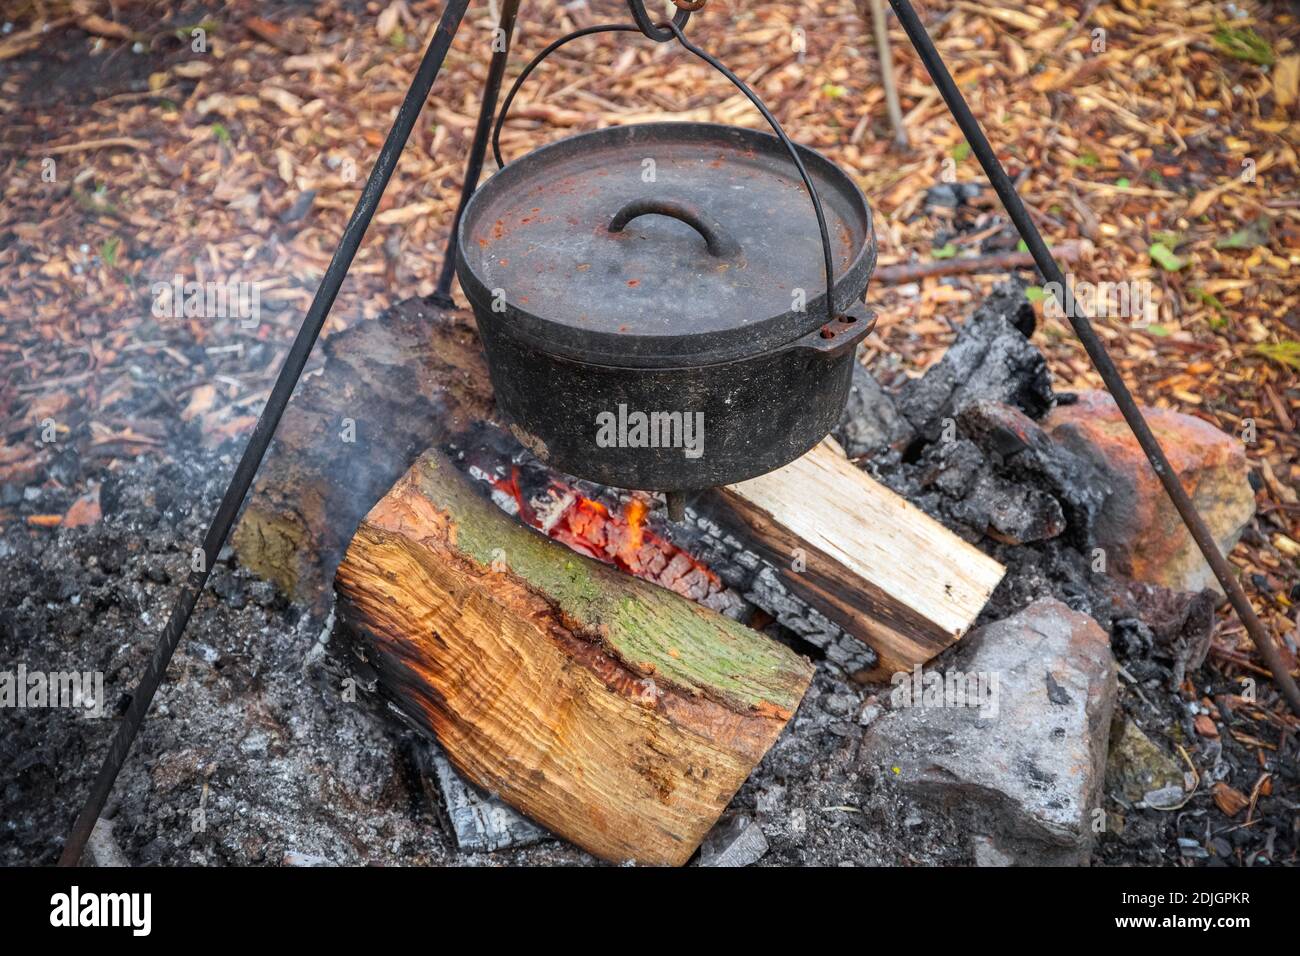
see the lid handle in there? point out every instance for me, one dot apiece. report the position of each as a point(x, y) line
point(675, 29)
point(719, 242)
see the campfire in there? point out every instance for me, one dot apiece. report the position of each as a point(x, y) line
point(512, 561)
point(524, 584)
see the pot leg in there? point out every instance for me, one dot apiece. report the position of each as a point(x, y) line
point(474, 166)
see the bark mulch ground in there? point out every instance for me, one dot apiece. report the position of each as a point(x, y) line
point(1158, 137)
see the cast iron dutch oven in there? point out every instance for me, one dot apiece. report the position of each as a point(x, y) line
point(628, 281)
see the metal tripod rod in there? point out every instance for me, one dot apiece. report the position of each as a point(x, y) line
point(289, 374)
point(474, 166)
point(1092, 343)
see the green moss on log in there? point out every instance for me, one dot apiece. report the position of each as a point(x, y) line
point(271, 545)
point(653, 631)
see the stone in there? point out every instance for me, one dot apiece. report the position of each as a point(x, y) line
point(1166, 798)
point(734, 841)
point(1138, 527)
point(1024, 770)
point(952, 195)
point(1136, 766)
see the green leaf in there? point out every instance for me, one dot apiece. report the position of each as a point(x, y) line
point(1243, 43)
point(186, 33)
point(1022, 246)
point(1123, 182)
point(1211, 300)
point(1159, 331)
point(221, 133)
point(108, 251)
point(1087, 159)
point(833, 90)
point(945, 252)
point(1164, 257)
point(961, 151)
point(1035, 293)
point(1285, 353)
point(1252, 235)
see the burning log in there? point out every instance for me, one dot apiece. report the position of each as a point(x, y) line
point(390, 388)
point(615, 527)
point(609, 710)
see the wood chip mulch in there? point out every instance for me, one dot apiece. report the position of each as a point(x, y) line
point(1158, 136)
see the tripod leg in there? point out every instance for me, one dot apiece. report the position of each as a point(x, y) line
point(1096, 350)
point(285, 381)
point(474, 166)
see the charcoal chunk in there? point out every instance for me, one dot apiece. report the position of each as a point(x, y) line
point(990, 360)
point(871, 421)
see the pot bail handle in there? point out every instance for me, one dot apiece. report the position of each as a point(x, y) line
point(828, 259)
point(720, 243)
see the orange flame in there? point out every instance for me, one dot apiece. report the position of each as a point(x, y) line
point(634, 515)
point(587, 527)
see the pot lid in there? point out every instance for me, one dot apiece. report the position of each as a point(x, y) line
point(666, 244)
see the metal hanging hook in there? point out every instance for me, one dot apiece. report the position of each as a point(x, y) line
point(645, 23)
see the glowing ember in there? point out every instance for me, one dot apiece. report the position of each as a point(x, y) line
point(589, 528)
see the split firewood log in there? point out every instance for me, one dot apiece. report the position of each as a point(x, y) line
point(865, 557)
point(611, 711)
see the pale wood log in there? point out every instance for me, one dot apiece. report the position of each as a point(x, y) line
point(611, 711)
point(868, 559)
